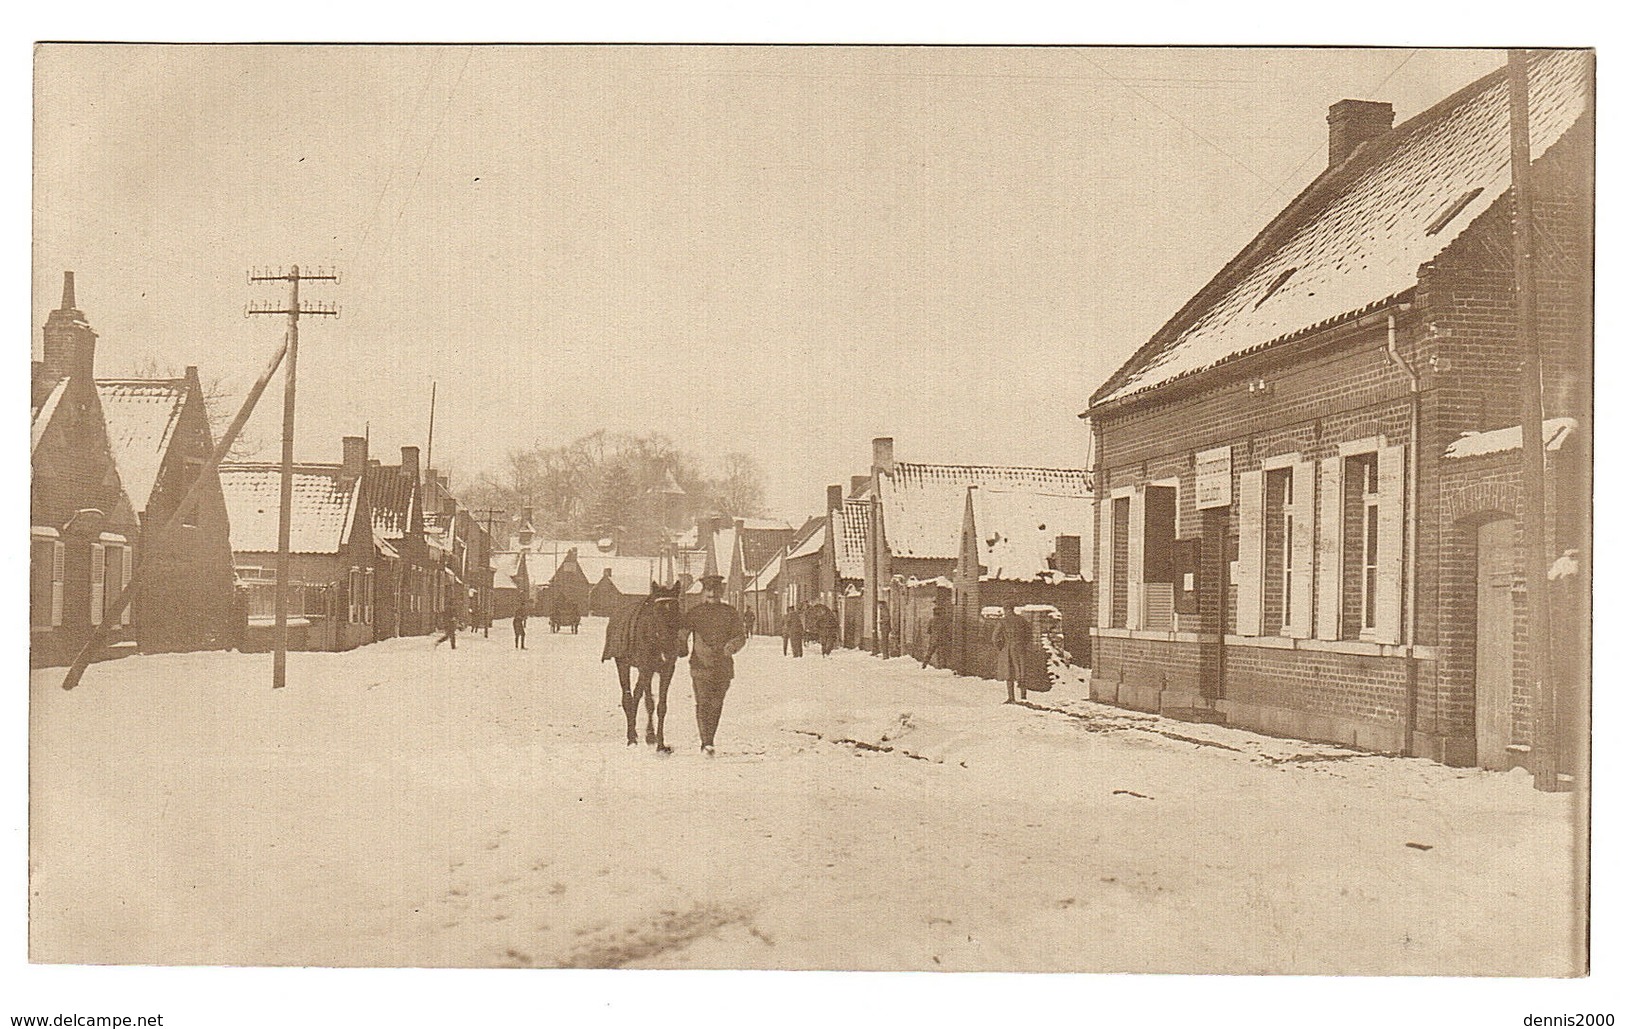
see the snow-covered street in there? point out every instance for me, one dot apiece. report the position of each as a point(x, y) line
point(409, 805)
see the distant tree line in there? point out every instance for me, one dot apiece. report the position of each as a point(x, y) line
point(631, 488)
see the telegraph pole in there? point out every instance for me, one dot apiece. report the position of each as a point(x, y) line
point(487, 517)
point(1535, 556)
point(279, 667)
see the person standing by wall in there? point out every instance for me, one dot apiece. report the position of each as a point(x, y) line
point(794, 632)
point(1014, 640)
point(520, 615)
point(714, 633)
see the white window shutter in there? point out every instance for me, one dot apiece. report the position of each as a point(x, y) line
point(127, 562)
point(1136, 558)
point(59, 557)
point(1250, 556)
point(1390, 542)
point(1303, 551)
point(1103, 576)
point(98, 581)
point(1329, 552)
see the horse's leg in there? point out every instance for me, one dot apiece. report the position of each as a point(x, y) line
point(646, 691)
point(660, 732)
point(629, 703)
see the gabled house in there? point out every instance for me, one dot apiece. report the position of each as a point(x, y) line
point(917, 521)
point(406, 575)
point(83, 529)
point(801, 567)
point(158, 430)
point(1310, 476)
point(333, 588)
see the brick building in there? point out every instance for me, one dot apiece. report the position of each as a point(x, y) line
point(332, 577)
point(405, 572)
point(1310, 476)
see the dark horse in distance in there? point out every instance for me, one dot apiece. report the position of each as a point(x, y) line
point(646, 635)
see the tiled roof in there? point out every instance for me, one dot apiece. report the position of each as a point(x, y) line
point(766, 523)
point(811, 545)
point(1357, 235)
point(141, 415)
point(321, 511)
point(392, 499)
point(1015, 531)
point(851, 538)
point(923, 505)
point(758, 545)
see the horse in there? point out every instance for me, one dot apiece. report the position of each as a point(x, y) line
point(646, 635)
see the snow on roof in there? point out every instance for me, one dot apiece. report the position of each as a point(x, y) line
point(141, 415)
point(811, 545)
point(923, 505)
point(851, 538)
point(769, 574)
point(1016, 531)
point(385, 550)
point(392, 498)
point(45, 412)
point(321, 511)
point(1477, 444)
point(631, 575)
point(1355, 237)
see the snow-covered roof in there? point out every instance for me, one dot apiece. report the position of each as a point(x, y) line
point(1016, 531)
point(1477, 444)
point(141, 415)
point(45, 412)
point(811, 545)
point(769, 574)
point(924, 504)
point(851, 533)
point(631, 575)
point(320, 515)
point(1355, 238)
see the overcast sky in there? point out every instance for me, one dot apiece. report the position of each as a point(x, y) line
point(784, 251)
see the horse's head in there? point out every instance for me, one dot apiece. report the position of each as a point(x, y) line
point(661, 628)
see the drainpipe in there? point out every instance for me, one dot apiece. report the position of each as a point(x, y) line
point(1413, 522)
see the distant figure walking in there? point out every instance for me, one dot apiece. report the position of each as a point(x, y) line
point(936, 636)
point(794, 632)
point(450, 619)
point(519, 617)
point(718, 634)
point(1014, 639)
point(749, 618)
point(824, 627)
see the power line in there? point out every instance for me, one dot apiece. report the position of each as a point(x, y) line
point(427, 150)
point(400, 149)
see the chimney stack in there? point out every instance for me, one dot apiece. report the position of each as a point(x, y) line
point(70, 343)
point(832, 498)
point(355, 457)
point(884, 462)
point(1352, 122)
point(409, 463)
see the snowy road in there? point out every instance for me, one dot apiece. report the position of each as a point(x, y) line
point(402, 805)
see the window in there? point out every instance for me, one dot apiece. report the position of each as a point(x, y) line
point(1275, 550)
point(1278, 528)
point(1157, 607)
point(1119, 562)
point(45, 583)
point(354, 596)
point(1275, 284)
point(1373, 535)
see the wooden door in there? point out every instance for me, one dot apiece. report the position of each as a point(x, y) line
point(1493, 690)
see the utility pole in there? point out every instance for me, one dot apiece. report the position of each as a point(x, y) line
point(1535, 556)
point(279, 667)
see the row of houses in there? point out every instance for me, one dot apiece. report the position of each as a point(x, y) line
point(375, 550)
point(1304, 512)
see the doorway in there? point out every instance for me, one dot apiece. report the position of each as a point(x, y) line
point(1493, 669)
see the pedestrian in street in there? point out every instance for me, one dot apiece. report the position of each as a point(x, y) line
point(1014, 638)
point(520, 615)
point(713, 633)
point(936, 636)
point(749, 618)
point(450, 619)
point(794, 632)
point(826, 628)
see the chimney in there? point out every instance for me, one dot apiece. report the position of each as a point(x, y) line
point(526, 530)
point(884, 462)
point(355, 457)
point(70, 343)
point(832, 498)
point(1352, 122)
point(409, 463)
point(739, 525)
point(1069, 555)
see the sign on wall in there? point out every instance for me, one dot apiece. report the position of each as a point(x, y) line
point(1212, 478)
